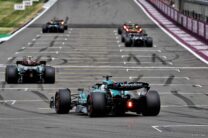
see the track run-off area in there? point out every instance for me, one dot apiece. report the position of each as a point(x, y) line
point(89, 49)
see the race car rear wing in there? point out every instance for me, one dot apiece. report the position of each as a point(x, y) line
point(128, 86)
point(38, 62)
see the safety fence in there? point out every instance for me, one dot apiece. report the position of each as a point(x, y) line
point(194, 26)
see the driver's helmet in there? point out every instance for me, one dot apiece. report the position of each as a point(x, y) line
point(28, 60)
point(102, 87)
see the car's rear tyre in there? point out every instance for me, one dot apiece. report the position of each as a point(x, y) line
point(61, 29)
point(122, 39)
point(49, 74)
point(96, 104)
point(65, 27)
point(119, 31)
point(151, 103)
point(149, 42)
point(44, 29)
point(11, 74)
point(63, 101)
point(128, 43)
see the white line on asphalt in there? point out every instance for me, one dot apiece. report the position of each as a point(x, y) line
point(182, 93)
point(137, 68)
point(81, 73)
point(164, 57)
point(132, 67)
point(142, 50)
point(32, 100)
point(157, 127)
point(13, 102)
point(159, 77)
point(37, 47)
point(29, 89)
point(44, 108)
point(181, 106)
point(56, 52)
point(80, 58)
point(135, 62)
point(31, 118)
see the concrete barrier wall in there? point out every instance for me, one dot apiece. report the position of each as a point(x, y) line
point(196, 27)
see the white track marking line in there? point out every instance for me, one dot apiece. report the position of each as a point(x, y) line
point(124, 77)
point(44, 108)
point(97, 57)
point(132, 67)
point(13, 102)
point(81, 73)
point(142, 50)
point(91, 51)
point(137, 68)
point(181, 106)
point(158, 77)
point(182, 93)
point(158, 127)
point(29, 89)
point(6, 119)
point(32, 100)
point(59, 52)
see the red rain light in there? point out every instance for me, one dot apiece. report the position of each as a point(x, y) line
point(130, 104)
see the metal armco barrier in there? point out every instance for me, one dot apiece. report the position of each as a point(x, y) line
point(196, 27)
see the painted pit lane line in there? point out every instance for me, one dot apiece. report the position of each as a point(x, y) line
point(81, 58)
point(16, 118)
point(32, 88)
point(89, 48)
point(132, 67)
point(159, 127)
point(86, 51)
point(124, 67)
point(125, 77)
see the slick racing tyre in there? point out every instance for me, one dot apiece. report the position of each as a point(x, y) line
point(61, 29)
point(122, 39)
point(49, 74)
point(11, 74)
point(151, 104)
point(96, 104)
point(44, 29)
point(128, 43)
point(65, 27)
point(63, 101)
point(119, 31)
point(149, 42)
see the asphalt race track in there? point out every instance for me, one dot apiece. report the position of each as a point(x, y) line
point(90, 49)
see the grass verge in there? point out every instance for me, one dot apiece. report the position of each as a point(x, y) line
point(11, 20)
